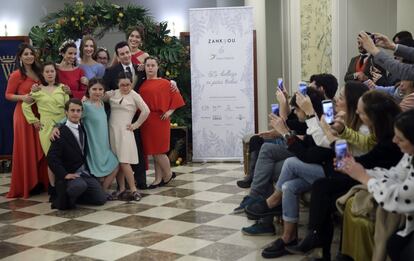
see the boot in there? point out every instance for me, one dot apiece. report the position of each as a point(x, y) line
point(248, 179)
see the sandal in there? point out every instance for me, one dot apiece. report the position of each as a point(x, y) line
point(118, 195)
point(135, 196)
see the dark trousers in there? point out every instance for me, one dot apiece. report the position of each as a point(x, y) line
point(324, 194)
point(401, 248)
point(85, 190)
point(139, 169)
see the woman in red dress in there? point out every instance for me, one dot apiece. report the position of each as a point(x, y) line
point(68, 71)
point(29, 163)
point(134, 39)
point(155, 132)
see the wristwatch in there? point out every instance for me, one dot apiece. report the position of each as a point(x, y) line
point(310, 116)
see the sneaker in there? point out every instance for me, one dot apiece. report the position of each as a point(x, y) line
point(259, 229)
point(277, 248)
point(260, 209)
point(247, 200)
point(244, 183)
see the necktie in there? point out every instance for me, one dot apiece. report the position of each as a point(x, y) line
point(362, 59)
point(81, 137)
point(129, 72)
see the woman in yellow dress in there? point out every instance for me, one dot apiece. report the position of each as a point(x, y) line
point(50, 101)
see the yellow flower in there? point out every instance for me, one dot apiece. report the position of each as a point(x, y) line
point(82, 18)
point(167, 73)
point(178, 162)
point(73, 19)
point(57, 26)
point(121, 15)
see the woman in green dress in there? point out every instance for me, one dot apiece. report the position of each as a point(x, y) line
point(50, 101)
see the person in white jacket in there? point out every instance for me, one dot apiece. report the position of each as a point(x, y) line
point(393, 188)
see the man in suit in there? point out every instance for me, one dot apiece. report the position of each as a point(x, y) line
point(362, 68)
point(401, 70)
point(67, 160)
point(123, 54)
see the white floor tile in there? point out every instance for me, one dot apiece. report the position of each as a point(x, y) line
point(108, 251)
point(40, 222)
point(181, 245)
point(36, 238)
point(219, 208)
point(157, 200)
point(171, 227)
point(200, 186)
point(209, 196)
point(162, 212)
point(105, 232)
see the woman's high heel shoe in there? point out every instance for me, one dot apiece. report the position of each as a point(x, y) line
point(163, 183)
point(153, 186)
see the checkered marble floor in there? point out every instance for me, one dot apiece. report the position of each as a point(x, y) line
point(190, 219)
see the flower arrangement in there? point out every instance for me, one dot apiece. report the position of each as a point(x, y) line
point(78, 19)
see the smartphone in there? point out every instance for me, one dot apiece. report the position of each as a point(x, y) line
point(275, 108)
point(280, 83)
point(328, 110)
point(341, 148)
point(371, 35)
point(303, 86)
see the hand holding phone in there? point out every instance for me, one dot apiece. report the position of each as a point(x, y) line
point(280, 83)
point(328, 110)
point(275, 108)
point(341, 149)
point(303, 86)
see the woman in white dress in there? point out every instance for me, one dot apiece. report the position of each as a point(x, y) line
point(124, 104)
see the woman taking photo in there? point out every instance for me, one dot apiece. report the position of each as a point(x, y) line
point(90, 67)
point(377, 111)
point(69, 73)
point(29, 166)
point(155, 132)
point(393, 189)
point(124, 103)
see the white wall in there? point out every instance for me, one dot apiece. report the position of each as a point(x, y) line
point(371, 16)
point(405, 9)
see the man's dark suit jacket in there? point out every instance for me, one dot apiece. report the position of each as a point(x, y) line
point(349, 76)
point(65, 156)
point(111, 77)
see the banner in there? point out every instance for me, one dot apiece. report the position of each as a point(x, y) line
point(222, 81)
point(8, 50)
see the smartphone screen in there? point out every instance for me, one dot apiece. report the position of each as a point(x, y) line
point(302, 87)
point(340, 151)
point(275, 108)
point(280, 83)
point(328, 111)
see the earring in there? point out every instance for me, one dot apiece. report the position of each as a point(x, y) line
point(21, 64)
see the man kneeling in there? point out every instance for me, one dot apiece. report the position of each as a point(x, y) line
point(67, 160)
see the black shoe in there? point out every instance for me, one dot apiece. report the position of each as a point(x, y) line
point(163, 183)
point(52, 193)
point(260, 209)
point(277, 248)
point(153, 186)
point(343, 257)
point(244, 183)
point(311, 241)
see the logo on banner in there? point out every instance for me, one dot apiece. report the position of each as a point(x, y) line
point(7, 64)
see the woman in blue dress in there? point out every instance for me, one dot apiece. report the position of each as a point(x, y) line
point(102, 162)
point(92, 68)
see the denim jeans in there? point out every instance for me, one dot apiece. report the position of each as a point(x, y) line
point(267, 169)
point(296, 178)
